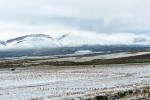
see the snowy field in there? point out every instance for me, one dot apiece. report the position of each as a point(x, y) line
point(71, 83)
point(99, 56)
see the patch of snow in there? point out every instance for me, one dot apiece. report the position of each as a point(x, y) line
point(84, 82)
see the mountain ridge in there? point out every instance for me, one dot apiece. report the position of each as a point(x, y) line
point(44, 45)
point(23, 37)
point(72, 39)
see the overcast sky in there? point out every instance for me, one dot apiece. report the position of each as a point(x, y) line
point(57, 17)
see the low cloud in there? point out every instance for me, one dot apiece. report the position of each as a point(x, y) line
point(57, 17)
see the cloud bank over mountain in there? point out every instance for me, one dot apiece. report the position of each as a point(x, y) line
point(69, 40)
point(86, 17)
point(70, 44)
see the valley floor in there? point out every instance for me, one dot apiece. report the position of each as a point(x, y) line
point(78, 83)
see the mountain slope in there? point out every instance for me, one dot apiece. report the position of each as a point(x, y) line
point(44, 45)
point(33, 37)
point(68, 40)
point(2, 43)
point(35, 41)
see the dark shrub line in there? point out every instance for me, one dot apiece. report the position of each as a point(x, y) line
point(26, 63)
point(120, 95)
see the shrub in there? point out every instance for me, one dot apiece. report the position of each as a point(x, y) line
point(88, 99)
point(130, 91)
point(147, 88)
point(137, 91)
point(125, 93)
point(145, 91)
point(101, 98)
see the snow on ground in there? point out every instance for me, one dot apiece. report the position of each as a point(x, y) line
point(69, 83)
point(102, 56)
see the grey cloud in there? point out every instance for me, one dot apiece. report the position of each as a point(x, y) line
point(109, 16)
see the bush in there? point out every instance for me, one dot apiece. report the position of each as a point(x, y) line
point(125, 93)
point(147, 88)
point(130, 91)
point(101, 98)
point(145, 91)
point(137, 91)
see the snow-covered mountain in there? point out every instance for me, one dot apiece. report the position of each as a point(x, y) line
point(66, 40)
point(79, 40)
point(2, 43)
point(29, 38)
point(43, 45)
point(31, 41)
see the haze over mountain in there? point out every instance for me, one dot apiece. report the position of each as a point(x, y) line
point(45, 45)
point(68, 40)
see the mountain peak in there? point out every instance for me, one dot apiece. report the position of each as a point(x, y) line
point(63, 36)
point(39, 35)
point(23, 37)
